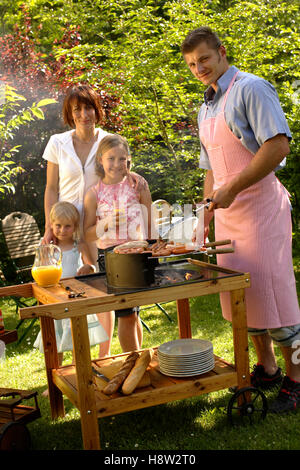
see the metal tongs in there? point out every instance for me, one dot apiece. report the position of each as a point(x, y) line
point(212, 250)
point(203, 206)
point(211, 245)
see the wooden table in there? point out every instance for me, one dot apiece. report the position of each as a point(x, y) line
point(77, 381)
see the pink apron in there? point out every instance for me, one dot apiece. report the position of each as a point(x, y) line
point(259, 224)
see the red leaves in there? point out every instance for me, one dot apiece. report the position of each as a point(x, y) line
point(36, 75)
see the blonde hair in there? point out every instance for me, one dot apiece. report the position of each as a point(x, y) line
point(108, 142)
point(65, 211)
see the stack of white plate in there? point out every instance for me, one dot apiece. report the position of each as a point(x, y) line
point(185, 357)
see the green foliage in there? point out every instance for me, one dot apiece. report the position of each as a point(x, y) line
point(11, 119)
point(132, 49)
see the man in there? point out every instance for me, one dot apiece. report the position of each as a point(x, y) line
point(244, 138)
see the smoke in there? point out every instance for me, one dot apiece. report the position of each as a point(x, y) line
point(2, 92)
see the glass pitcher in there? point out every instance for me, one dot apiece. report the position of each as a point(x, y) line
point(47, 269)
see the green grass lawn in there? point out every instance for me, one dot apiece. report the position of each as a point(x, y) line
point(192, 424)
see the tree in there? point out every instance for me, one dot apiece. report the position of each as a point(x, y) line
point(24, 65)
point(11, 119)
point(159, 98)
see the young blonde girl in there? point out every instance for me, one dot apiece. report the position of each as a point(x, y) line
point(115, 212)
point(65, 219)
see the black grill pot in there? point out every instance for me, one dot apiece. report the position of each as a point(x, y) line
point(129, 270)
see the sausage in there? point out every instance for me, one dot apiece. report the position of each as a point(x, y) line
point(162, 252)
point(180, 250)
point(158, 246)
point(132, 244)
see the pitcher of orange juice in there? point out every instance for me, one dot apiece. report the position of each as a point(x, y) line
point(47, 269)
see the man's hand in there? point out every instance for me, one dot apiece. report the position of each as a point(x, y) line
point(85, 269)
point(222, 198)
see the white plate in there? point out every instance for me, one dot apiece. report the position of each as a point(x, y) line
point(187, 359)
point(187, 364)
point(187, 374)
point(187, 370)
point(185, 347)
point(196, 365)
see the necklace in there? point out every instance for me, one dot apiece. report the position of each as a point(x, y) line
point(82, 141)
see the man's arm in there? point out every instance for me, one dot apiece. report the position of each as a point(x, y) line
point(267, 158)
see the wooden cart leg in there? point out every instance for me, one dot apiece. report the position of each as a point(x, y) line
point(184, 318)
point(51, 362)
point(86, 393)
point(240, 337)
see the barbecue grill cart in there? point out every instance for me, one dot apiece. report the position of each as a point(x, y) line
point(90, 294)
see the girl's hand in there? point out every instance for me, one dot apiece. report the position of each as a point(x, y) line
point(85, 269)
point(111, 222)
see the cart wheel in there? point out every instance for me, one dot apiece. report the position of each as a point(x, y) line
point(254, 409)
point(14, 436)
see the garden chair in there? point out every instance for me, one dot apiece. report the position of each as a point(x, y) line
point(21, 236)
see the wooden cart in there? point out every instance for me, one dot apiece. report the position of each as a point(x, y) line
point(14, 414)
point(77, 381)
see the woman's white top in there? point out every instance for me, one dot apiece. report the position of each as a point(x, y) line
point(74, 178)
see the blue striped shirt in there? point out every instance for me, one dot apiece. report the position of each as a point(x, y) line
point(252, 111)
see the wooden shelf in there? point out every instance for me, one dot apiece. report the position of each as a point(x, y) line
point(163, 389)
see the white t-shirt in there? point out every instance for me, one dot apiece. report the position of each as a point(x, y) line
point(74, 179)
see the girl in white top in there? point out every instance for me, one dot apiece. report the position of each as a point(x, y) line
point(64, 220)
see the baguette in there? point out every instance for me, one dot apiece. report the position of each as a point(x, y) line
point(145, 380)
point(137, 372)
point(115, 383)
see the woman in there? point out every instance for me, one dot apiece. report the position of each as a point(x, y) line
point(71, 167)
